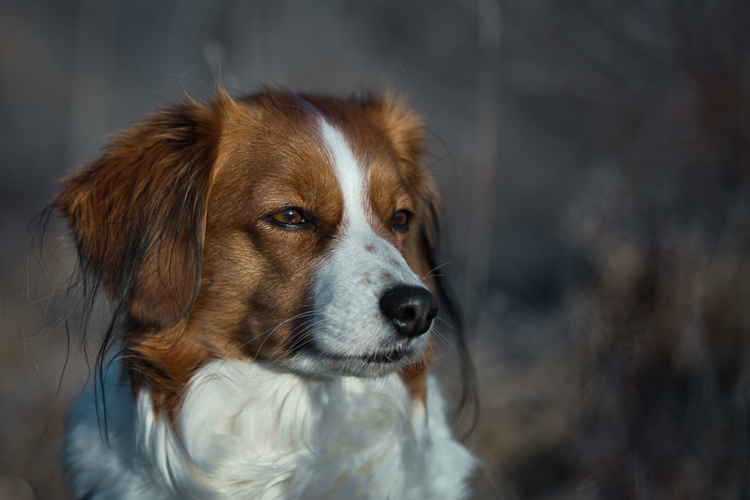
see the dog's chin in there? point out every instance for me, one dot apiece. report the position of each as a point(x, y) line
point(378, 364)
point(375, 364)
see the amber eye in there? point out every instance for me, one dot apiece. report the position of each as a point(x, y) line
point(400, 221)
point(289, 217)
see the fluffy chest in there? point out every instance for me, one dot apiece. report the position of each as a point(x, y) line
point(246, 431)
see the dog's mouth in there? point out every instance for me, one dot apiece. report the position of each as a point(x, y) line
point(374, 362)
point(393, 356)
point(385, 357)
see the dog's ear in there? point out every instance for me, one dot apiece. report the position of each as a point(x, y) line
point(139, 211)
point(404, 131)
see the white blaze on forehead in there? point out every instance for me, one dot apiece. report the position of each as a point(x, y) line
point(352, 278)
point(349, 174)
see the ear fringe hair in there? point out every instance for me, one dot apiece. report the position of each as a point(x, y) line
point(85, 292)
point(80, 294)
point(467, 409)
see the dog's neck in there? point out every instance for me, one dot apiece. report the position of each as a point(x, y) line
point(248, 431)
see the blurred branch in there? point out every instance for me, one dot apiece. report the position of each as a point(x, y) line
point(483, 202)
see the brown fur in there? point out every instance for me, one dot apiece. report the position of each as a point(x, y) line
point(173, 221)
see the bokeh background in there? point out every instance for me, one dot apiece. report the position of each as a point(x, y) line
point(594, 156)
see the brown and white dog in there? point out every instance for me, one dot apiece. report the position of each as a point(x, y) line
point(268, 260)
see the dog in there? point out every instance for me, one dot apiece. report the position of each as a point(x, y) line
point(268, 259)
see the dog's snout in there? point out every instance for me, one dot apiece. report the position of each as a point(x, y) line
point(410, 308)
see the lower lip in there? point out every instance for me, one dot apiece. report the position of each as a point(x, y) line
point(393, 357)
point(384, 358)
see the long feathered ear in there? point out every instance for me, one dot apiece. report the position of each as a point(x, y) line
point(138, 212)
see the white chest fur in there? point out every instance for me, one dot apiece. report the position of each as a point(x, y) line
point(247, 432)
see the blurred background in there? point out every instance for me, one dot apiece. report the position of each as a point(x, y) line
point(594, 156)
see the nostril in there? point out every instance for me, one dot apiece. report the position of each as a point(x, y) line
point(432, 313)
point(410, 308)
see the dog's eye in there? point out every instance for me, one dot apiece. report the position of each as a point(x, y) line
point(289, 217)
point(293, 219)
point(400, 221)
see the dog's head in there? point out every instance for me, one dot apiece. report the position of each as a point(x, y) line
point(290, 229)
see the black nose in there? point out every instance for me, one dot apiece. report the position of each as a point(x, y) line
point(411, 309)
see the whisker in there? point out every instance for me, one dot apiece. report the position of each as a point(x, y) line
point(268, 332)
point(307, 313)
point(446, 342)
point(306, 334)
point(308, 325)
point(431, 271)
point(446, 323)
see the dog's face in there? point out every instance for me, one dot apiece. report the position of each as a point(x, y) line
point(308, 217)
point(280, 228)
